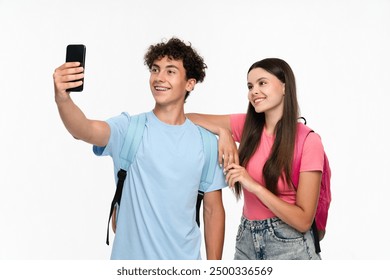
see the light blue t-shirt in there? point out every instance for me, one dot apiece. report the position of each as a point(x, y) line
point(156, 219)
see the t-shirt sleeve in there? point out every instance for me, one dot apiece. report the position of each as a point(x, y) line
point(219, 180)
point(313, 154)
point(118, 128)
point(237, 122)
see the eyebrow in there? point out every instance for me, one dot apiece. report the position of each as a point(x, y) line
point(259, 79)
point(172, 66)
point(168, 66)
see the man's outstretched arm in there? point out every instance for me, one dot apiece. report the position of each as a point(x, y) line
point(91, 131)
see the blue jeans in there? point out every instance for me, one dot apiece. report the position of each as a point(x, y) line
point(273, 239)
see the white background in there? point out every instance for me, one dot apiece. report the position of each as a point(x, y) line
point(55, 194)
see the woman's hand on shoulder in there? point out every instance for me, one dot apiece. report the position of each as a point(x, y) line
point(227, 149)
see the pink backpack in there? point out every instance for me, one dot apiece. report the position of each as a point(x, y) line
point(321, 217)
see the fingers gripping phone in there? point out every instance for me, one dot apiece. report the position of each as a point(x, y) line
point(76, 53)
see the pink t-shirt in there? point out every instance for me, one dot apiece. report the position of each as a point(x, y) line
point(312, 160)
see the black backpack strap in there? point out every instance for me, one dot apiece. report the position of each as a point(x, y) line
point(198, 204)
point(316, 237)
point(302, 119)
point(129, 150)
point(210, 148)
point(117, 198)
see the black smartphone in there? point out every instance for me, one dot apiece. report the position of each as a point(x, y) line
point(76, 53)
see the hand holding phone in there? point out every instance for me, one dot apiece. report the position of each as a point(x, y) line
point(76, 53)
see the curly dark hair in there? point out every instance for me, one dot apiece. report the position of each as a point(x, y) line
point(176, 49)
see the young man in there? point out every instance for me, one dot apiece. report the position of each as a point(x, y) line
point(156, 219)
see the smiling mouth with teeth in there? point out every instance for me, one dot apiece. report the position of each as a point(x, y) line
point(258, 100)
point(161, 88)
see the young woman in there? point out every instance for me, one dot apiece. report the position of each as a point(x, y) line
point(277, 216)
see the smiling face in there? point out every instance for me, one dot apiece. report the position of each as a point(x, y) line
point(266, 92)
point(168, 82)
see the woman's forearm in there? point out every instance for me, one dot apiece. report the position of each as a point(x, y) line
point(213, 123)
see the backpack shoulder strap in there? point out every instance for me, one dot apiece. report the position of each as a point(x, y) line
point(302, 133)
point(126, 157)
point(210, 152)
point(132, 140)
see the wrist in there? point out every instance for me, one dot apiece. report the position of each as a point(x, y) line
point(258, 189)
point(223, 131)
point(62, 99)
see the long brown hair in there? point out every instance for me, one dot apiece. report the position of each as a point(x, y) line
point(279, 163)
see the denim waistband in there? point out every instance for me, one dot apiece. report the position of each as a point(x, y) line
point(260, 224)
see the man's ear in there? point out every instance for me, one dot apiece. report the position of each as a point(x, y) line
point(190, 84)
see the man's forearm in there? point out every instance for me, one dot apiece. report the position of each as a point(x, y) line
point(214, 226)
point(74, 119)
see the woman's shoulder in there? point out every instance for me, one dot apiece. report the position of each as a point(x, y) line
point(305, 131)
point(237, 118)
point(307, 137)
